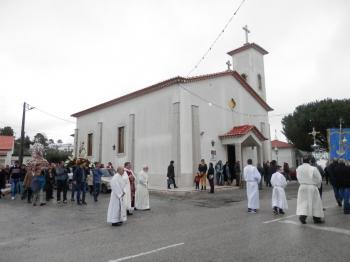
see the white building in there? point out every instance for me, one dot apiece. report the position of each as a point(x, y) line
point(219, 116)
point(284, 152)
point(7, 144)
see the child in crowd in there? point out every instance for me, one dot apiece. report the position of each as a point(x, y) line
point(197, 179)
point(279, 200)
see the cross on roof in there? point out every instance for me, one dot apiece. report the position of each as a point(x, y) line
point(245, 28)
point(228, 63)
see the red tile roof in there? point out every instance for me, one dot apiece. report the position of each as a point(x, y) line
point(243, 130)
point(280, 144)
point(6, 143)
point(246, 47)
point(177, 80)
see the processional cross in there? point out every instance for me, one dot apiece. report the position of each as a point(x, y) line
point(228, 63)
point(314, 134)
point(246, 34)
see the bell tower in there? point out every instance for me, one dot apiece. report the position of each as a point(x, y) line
point(248, 61)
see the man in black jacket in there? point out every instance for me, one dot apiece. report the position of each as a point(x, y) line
point(79, 180)
point(342, 181)
point(171, 174)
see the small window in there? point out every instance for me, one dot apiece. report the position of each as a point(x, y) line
point(245, 76)
point(121, 139)
point(89, 145)
point(260, 82)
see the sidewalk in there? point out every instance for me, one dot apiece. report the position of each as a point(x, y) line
point(187, 190)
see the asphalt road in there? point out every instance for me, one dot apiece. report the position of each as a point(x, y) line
point(197, 227)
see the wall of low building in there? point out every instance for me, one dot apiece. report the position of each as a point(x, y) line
point(285, 155)
point(153, 125)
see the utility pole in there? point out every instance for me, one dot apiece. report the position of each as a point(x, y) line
point(25, 108)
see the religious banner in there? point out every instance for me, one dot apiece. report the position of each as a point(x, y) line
point(339, 143)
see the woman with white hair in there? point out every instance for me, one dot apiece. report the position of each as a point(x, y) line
point(142, 195)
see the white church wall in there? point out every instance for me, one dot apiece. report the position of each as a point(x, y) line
point(153, 141)
point(215, 121)
point(285, 155)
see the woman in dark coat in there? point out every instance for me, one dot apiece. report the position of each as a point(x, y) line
point(211, 177)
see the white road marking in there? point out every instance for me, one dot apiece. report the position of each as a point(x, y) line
point(277, 219)
point(330, 229)
point(146, 253)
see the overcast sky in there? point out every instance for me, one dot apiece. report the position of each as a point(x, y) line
point(64, 56)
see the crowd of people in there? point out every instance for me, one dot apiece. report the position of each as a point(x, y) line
point(37, 185)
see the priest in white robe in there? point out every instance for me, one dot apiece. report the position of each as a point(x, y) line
point(129, 208)
point(309, 202)
point(279, 199)
point(142, 195)
point(116, 213)
point(252, 178)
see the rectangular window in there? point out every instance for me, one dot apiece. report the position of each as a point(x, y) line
point(89, 145)
point(121, 139)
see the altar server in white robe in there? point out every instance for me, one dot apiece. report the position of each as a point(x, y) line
point(116, 213)
point(142, 195)
point(279, 200)
point(252, 178)
point(309, 202)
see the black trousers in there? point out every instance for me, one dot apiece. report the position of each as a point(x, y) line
point(49, 192)
point(211, 183)
point(62, 187)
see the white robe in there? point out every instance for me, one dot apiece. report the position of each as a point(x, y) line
point(116, 208)
point(142, 195)
point(279, 182)
point(252, 177)
point(309, 202)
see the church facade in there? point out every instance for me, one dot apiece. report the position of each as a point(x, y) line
point(219, 116)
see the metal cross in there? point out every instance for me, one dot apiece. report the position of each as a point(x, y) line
point(314, 134)
point(246, 33)
point(228, 63)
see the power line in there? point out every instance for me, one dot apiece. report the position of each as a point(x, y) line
point(52, 115)
point(216, 39)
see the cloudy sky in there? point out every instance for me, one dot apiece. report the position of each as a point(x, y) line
point(63, 56)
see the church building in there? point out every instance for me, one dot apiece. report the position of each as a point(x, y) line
point(218, 116)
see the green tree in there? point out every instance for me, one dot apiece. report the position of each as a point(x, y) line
point(27, 143)
point(54, 155)
point(41, 138)
point(322, 115)
point(7, 131)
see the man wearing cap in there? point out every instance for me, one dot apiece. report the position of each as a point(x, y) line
point(309, 201)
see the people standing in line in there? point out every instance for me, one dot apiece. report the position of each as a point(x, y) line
point(202, 169)
point(252, 178)
point(238, 173)
point(116, 213)
point(330, 169)
point(320, 170)
point(27, 184)
point(286, 171)
point(227, 174)
point(219, 175)
point(110, 168)
point(96, 180)
point(79, 180)
point(61, 178)
point(142, 194)
point(261, 172)
point(309, 202)
point(211, 177)
point(49, 174)
point(132, 180)
point(38, 184)
point(272, 170)
point(171, 175)
point(266, 167)
point(342, 181)
point(197, 180)
point(15, 175)
point(279, 199)
point(3, 175)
